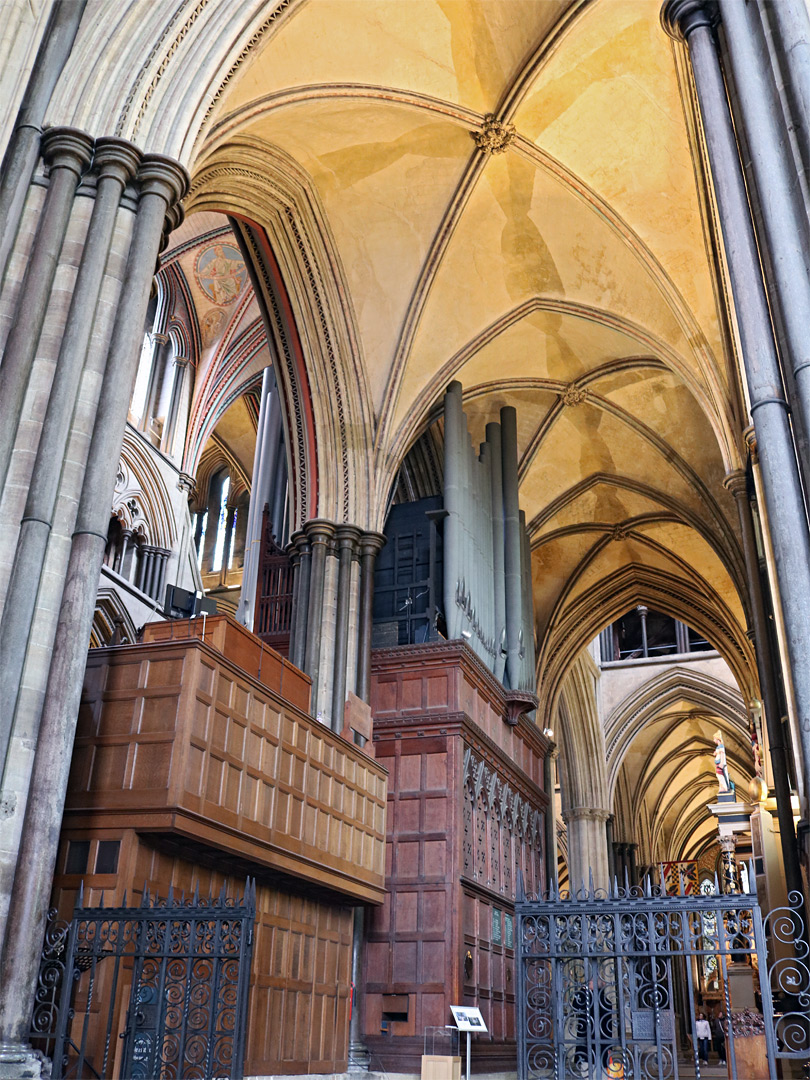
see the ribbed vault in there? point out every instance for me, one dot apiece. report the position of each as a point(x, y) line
point(575, 274)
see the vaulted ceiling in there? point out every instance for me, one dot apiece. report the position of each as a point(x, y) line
point(575, 274)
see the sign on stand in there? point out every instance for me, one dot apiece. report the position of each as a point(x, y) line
point(469, 1020)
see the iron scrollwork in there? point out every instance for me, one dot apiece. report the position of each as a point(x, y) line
point(606, 981)
point(158, 990)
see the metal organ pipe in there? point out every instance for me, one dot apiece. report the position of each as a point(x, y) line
point(496, 513)
point(453, 421)
point(513, 584)
point(528, 677)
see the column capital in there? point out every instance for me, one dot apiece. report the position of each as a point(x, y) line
point(319, 531)
point(348, 536)
point(372, 543)
point(750, 437)
point(116, 158)
point(159, 175)
point(186, 482)
point(680, 17)
point(67, 148)
point(300, 541)
point(736, 482)
point(175, 216)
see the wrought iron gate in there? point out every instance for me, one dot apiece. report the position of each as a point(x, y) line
point(609, 986)
point(157, 991)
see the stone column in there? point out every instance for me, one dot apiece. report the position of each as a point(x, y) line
point(642, 614)
point(22, 153)
point(163, 556)
point(359, 1056)
point(780, 201)
point(371, 544)
point(68, 154)
point(587, 847)
point(792, 32)
point(161, 182)
point(115, 163)
point(126, 536)
point(348, 537)
point(170, 430)
point(162, 350)
point(326, 651)
point(690, 20)
point(354, 622)
point(681, 636)
point(301, 541)
point(737, 484)
point(610, 855)
point(319, 532)
point(295, 560)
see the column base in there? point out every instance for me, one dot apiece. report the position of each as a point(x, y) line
point(359, 1057)
point(20, 1062)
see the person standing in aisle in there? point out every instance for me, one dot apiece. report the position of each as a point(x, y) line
point(704, 1033)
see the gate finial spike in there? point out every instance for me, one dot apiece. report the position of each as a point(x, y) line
point(752, 881)
point(615, 887)
point(196, 899)
point(124, 901)
point(716, 884)
point(170, 897)
point(101, 899)
point(145, 894)
point(79, 902)
point(591, 889)
point(647, 885)
point(520, 894)
point(661, 879)
point(626, 880)
point(681, 882)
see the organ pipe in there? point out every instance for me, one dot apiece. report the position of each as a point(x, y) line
point(487, 568)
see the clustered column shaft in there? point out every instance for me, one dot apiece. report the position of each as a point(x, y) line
point(161, 184)
point(114, 162)
point(692, 21)
point(331, 647)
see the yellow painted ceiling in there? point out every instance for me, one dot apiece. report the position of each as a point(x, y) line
point(581, 255)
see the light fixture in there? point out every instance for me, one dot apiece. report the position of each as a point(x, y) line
point(548, 732)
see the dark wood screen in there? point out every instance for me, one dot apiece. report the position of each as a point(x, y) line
point(274, 592)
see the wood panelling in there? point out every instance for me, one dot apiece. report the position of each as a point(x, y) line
point(242, 648)
point(465, 810)
point(175, 738)
point(300, 974)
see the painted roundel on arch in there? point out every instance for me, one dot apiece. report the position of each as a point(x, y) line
point(220, 273)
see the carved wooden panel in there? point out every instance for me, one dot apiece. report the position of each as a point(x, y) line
point(301, 969)
point(465, 811)
point(186, 742)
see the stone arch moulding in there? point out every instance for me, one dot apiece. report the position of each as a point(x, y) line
point(173, 63)
point(214, 458)
point(109, 609)
point(582, 745)
point(141, 500)
point(634, 711)
point(301, 289)
point(693, 602)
